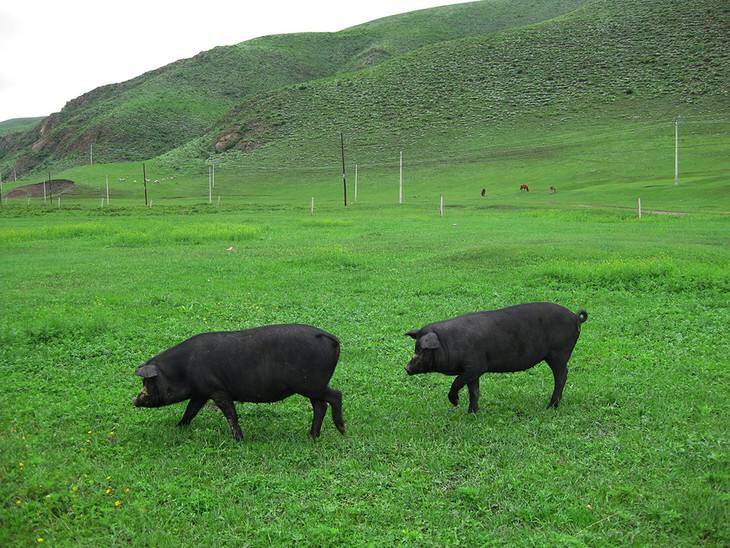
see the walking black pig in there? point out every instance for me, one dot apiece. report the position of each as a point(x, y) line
point(499, 341)
point(264, 364)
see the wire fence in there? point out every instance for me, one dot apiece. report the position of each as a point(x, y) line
point(601, 147)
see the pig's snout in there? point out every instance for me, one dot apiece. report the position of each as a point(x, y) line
point(138, 400)
point(409, 368)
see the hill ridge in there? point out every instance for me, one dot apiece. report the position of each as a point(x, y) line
point(144, 117)
point(662, 56)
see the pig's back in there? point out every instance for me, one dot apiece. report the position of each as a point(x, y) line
point(261, 364)
point(512, 338)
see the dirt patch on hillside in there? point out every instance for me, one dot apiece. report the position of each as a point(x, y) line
point(35, 190)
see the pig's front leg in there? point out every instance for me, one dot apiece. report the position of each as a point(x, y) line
point(457, 385)
point(225, 404)
point(194, 405)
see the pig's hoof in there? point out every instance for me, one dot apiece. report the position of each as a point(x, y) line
point(473, 409)
point(454, 399)
point(340, 428)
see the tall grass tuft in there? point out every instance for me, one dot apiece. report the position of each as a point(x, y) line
point(637, 273)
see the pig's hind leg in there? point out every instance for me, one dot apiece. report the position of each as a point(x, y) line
point(334, 398)
point(194, 405)
point(558, 362)
point(319, 400)
point(225, 404)
point(474, 395)
point(319, 408)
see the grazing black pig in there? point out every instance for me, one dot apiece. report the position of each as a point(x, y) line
point(499, 341)
point(264, 364)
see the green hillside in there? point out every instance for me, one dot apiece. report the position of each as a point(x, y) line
point(167, 107)
point(609, 60)
point(15, 125)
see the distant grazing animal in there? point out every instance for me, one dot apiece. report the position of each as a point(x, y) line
point(484, 192)
point(260, 365)
point(553, 190)
point(511, 339)
point(525, 188)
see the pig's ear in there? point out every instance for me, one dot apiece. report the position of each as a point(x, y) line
point(413, 333)
point(147, 371)
point(430, 341)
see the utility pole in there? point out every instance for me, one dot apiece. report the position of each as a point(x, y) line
point(144, 178)
point(44, 186)
point(210, 186)
point(355, 200)
point(344, 176)
point(107, 190)
point(400, 192)
point(91, 154)
point(1, 188)
point(676, 151)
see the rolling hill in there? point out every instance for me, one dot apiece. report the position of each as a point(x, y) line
point(15, 125)
point(607, 59)
point(167, 107)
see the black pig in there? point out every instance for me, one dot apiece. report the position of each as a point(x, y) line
point(264, 364)
point(499, 341)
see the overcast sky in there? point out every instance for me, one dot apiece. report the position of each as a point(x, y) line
point(54, 50)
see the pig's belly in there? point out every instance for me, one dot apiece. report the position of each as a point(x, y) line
point(514, 363)
point(265, 384)
point(264, 394)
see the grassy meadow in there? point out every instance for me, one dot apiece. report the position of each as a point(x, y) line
point(578, 95)
point(637, 453)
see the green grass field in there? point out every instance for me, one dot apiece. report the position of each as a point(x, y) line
point(636, 454)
